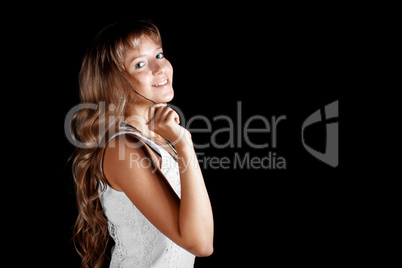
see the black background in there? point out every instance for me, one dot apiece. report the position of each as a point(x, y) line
point(289, 60)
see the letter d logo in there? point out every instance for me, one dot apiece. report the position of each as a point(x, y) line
point(330, 156)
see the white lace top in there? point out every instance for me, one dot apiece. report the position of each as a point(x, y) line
point(137, 242)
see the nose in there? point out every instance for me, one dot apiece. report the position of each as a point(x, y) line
point(158, 68)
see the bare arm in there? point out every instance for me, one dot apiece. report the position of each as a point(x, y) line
point(187, 221)
point(196, 219)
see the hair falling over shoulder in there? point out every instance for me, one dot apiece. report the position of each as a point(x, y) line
point(102, 83)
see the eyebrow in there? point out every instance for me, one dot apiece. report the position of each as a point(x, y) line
point(130, 60)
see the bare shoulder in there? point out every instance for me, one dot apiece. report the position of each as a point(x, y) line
point(126, 155)
point(130, 169)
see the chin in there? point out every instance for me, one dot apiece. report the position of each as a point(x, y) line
point(168, 96)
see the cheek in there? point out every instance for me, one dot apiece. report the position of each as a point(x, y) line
point(169, 68)
point(140, 79)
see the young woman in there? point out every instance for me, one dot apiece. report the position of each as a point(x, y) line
point(132, 183)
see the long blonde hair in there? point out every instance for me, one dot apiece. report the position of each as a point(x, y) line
point(103, 84)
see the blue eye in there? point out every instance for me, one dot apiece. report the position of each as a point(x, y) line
point(160, 56)
point(140, 64)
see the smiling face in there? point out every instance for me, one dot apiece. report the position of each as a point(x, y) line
point(150, 73)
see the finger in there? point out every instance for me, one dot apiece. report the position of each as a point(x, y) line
point(177, 119)
point(152, 111)
point(159, 113)
point(172, 115)
point(166, 112)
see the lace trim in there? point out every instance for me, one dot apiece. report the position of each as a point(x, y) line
point(118, 251)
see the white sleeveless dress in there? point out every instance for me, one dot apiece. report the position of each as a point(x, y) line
point(139, 244)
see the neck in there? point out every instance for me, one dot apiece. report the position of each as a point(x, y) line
point(138, 118)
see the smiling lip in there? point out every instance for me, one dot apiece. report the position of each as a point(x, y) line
point(161, 83)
